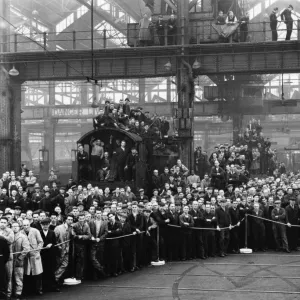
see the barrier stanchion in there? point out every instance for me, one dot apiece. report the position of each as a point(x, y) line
point(246, 250)
point(72, 280)
point(158, 262)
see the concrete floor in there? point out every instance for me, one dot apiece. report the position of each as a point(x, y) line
point(265, 276)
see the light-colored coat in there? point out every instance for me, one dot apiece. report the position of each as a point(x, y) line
point(33, 262)
point(20, 244)
point(63, 235)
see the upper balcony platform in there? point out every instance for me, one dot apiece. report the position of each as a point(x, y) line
point(114, 63)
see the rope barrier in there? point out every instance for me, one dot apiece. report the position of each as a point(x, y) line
point(203, 228)
point(272, 221)
point(123, 236)
point(41, 248)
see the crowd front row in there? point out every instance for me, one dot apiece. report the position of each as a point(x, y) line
point(39, 249)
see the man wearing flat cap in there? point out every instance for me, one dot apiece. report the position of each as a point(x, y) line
point(279, 230)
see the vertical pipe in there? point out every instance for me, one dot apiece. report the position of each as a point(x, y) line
point(157, 242)
point(92, 36)
point(298, 29)
point(74, 40)
point(104, 39)
point(246, 231)
point(16, 43)
point(45, 40)
point(264, 30)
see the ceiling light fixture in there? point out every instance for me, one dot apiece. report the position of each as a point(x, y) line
point(13, 71)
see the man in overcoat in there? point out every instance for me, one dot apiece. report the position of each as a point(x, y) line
point(33, 262)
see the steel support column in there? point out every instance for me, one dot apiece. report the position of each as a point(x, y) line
point(142, 90)
point(185, 88)
point(16, 95)
point(49, 129)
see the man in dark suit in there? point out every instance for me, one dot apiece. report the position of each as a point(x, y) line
point(209, 240)
point(131, 161)
point(223, 220)
point(174, 233)
point(121, 154)
point(82, 234)
point(258, 228)
point(172, 30)
point(136, 222)
point(48, 255)
point(113, 245)
point(160, 30)
point(59, 200)
point(235, 221)
point(99, 231)
point(197, 238)
point(286, 16)
point(217, 176)
point(126, 244)
point(186, 221)
point(292, 216)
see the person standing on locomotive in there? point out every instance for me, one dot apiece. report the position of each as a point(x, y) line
point(96, 156)
point(83, 162)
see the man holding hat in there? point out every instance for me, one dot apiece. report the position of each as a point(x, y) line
point(279, 231)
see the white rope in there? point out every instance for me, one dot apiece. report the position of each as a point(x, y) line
point(272, 221)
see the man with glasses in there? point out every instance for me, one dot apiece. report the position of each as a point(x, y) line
point(21, 247)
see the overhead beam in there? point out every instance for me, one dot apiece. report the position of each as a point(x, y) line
point(202, 109)
point(106, 16)
point(127, 8)
point(120, 63)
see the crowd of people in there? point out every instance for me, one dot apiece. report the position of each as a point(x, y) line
point(164, 32)
point(135, 120)
point(52, 232)
point(115, 159)
point(250, 154)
